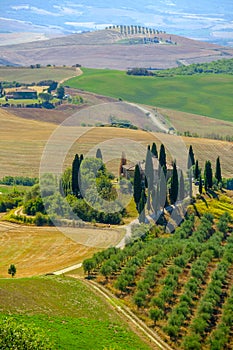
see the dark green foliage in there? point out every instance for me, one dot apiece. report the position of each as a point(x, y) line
point(141, 206)
point(191, 159)
point(18, 180)
point(137, 186)
point(45, 96)
point(181, 187)
point(156, 314)
point(154, 150)
point(75, 175)
point(122, 163)
point(208, 175)
point(140, 71)
point(174, 185)
point(12, 270)
point(215, 67)
point(162, 157)
point(14, 335)
point(196, 170)
point(200, 184)
point(218, 174)
point(34, 205)
point(60, 92)
point(99, 154)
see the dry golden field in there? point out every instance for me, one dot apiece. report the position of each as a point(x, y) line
point(41, 250)
point(22, 143)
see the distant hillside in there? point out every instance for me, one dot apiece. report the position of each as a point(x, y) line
point(105, 49)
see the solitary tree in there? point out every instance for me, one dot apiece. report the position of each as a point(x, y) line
point(12, 270)
point(99, 154)
point(218, 174)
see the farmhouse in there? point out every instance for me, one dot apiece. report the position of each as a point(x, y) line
point(128, 169)
point(24, 93)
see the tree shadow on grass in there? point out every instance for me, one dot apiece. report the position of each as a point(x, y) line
point(212, 194)
point(204, 200)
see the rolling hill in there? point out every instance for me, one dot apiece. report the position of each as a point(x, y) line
point(22, 157)
point(101, 49)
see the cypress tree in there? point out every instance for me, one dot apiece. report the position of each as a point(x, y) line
point(208, 175)
point(149, 176)
point(181, 186)
point(218, 174)
point(99, 154)
point(75, 175)
point(141, 206)
point(200, 184)
point(149, 172)
point(154, 150)
point(137, 186)
point(162, 157)
point(174, 184)
point(123, 162)
point(191, 159)
point(155, 199)
point(196, 171)
point(163, 191)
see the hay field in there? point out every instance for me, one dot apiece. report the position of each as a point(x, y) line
point(40, 250)
point(197, 124)
point(22, 143)
point(29, 75)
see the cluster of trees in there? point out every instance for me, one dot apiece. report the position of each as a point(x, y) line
point(18, 180)
point(88, 189)
point(10, 200)
point(215, 67)
point(139, 71)
point(134, 29)
point(210, 179)
point(157, 186)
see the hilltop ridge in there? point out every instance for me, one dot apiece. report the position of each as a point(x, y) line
point(105, 49)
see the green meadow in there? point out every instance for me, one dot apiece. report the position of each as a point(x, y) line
point(68, 312)
point(204, 94)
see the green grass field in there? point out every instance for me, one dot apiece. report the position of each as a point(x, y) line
point(69, 312)
point(28, 75)
point(208, 95)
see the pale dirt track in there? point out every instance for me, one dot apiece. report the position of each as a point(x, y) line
point(156, 341)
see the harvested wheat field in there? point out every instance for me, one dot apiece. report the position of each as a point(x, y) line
point(40, 250)
point(23, 141)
